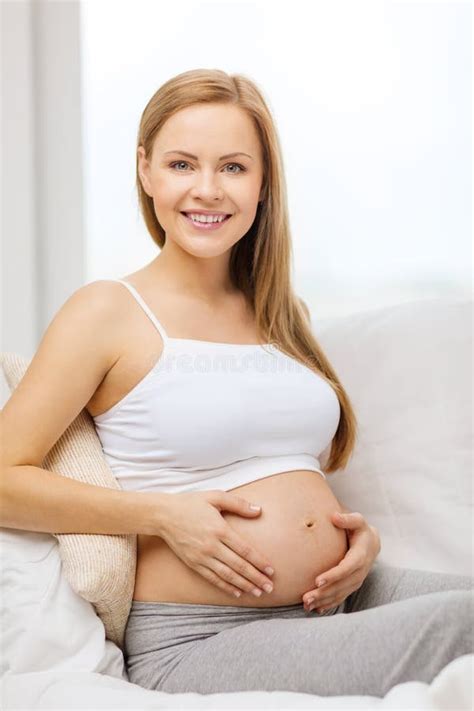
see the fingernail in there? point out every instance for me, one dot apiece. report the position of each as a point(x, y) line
point(321, 583)
point(236, 593)
point(269, 571)
point(256, 592)
point(268, 588)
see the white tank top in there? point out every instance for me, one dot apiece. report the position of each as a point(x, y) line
point(216, 416)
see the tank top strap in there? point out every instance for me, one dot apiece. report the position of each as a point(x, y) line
point(145, 308)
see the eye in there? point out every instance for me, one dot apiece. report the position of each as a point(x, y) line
point(241, 167)
point(179, 162)
point(183, 162)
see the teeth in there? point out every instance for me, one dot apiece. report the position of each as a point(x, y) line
point(207, 218)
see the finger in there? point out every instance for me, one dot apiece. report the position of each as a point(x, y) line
point(327, 606)
point(315, 594)
point(322, 610)
point(251, 563)
point(328, 601)
point(338, 592)
point(213, 578)
point(334, 599)
point(239, 572)
point(349, 565)
point(335, 602)
point(349, 520)
point(316, 597)
point(235, 572)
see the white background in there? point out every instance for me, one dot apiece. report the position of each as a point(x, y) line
point(372, 102)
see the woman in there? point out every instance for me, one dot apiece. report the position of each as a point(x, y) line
point(211, 188)
point(217, 396)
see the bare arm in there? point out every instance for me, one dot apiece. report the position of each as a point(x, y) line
point(76, 352)
point(36, 499)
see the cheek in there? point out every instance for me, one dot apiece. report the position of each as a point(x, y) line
point(244, 192)
point(167, 191)
point(165, 201)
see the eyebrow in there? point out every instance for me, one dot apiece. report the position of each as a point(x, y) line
point(228, 155)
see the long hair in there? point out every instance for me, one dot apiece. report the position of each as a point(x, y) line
point(260, 262)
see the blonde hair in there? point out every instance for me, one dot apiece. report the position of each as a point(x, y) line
point(260, 262)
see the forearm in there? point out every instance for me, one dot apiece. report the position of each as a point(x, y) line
point(36, 499)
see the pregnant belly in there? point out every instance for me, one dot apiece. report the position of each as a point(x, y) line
point(294, 532)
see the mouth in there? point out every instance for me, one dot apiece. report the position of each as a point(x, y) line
point(206, 226)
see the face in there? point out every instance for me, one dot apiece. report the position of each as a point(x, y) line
point(208, 181)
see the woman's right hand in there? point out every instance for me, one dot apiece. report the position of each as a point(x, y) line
point(195, 530)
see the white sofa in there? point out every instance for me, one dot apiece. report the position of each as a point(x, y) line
point(408, 371)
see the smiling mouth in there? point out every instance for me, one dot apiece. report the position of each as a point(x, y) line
point(206, 225)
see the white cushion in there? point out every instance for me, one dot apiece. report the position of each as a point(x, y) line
point(45, 624)
point(408, 372)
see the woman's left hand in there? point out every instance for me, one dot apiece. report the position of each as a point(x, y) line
point(350, 573)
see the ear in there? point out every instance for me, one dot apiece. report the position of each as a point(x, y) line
point(144, 171)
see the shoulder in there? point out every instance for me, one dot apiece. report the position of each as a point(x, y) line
point(101, 298)
point(76, 351)
point(96, 311)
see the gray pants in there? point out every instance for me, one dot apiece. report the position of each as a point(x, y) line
point(401, 625)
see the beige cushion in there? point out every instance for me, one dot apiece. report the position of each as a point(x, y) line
point(99, 568)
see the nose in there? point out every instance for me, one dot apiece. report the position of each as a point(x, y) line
point(206, 186)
